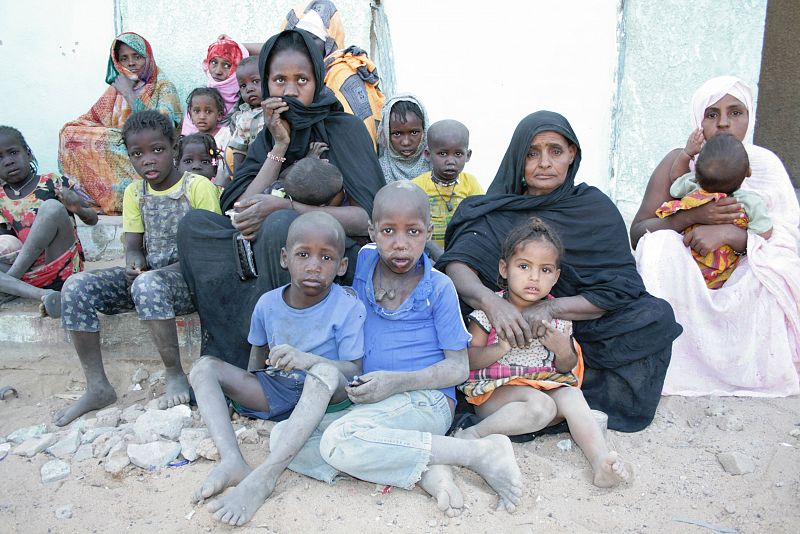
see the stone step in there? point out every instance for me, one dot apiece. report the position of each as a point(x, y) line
point(103, 241)
point(25, 334)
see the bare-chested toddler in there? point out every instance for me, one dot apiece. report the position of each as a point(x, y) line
point(310, 334)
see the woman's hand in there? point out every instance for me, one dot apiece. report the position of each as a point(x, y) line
point(538, 313)
point(695, 143)
point(705, 239)
point(278, 127)
point(723, 211)
point(252, 212)
point(508, 322)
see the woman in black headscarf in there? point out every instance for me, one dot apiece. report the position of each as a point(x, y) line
point(626, 334)
point(299, 110)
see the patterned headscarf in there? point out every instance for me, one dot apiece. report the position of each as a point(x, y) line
point(228, 49)
point(140, 45)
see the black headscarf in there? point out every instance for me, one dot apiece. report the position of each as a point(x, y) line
point(597, 263)
point(626, 351)
point(349, 145)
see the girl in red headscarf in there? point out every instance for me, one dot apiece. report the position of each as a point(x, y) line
point(220, 64)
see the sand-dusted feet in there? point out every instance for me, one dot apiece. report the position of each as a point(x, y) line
point(239, 505)
point(178, 390)
point(224, 475)
point(494, 461)
point(438, 481)
point(611, 471)
point(93, 399)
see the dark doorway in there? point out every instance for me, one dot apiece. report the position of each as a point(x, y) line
point(778, 114)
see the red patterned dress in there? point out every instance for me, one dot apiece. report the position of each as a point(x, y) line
point(19, 215)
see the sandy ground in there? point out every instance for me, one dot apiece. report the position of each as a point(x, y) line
point(678, 476)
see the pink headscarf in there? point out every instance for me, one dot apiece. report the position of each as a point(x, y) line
point(228, 88)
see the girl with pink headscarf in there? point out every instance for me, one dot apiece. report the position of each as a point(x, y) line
point(220, 64)
point(744, 338)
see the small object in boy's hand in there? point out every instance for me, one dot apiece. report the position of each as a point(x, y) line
point(355, 382)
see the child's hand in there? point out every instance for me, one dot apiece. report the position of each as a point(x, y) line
point(556, 341)
point(70, 200)
point(316, 149)
point(373, 387)
point(695, 142)
point(134, 269)
point(504, 345)
point(278, 127)
point(288, 358)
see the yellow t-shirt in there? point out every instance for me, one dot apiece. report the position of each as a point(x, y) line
point(203, 194)
point(445, 199)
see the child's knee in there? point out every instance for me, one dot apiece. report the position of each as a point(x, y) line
point(77, 283)
point(542, 409)
point(334, 445)
point(51, 209)
point(203, 369)
point(148, 286)
point(327, 373)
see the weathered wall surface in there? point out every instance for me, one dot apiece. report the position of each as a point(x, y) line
point(54, 56)
point(669, 48)
point(490, 65)
point(778, 126)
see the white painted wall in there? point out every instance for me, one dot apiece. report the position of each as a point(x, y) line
point(54, 55)
point(490, 64)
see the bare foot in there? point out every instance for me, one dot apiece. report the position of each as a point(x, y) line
point(439, 483)
point(467, 433)
point(93, 399)
point(240, 504)
point(226, 474)
point(51, 305)
point(612, 471)
point(494, 461)
point(178, 390)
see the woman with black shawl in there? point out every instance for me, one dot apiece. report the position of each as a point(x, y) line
point(626, 334)
point(299, 110)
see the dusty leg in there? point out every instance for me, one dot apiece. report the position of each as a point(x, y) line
point(99, 391)
point(211, 380)
point(491, 457)
point(512, 410)
point(51, 233)
point(165, 336)
point(608, 469)
point(239, 505)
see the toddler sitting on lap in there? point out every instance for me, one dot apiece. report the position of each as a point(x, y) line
point(522, 390)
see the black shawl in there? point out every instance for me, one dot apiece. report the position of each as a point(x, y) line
point(350, 145)
point(597, 265)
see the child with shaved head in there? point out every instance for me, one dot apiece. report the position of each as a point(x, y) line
point(310, 335)
point(446, 184)
point(416, 352)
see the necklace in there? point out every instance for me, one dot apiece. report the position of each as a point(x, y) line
point(449, 201)
point(390, 293)
point(31, 176)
